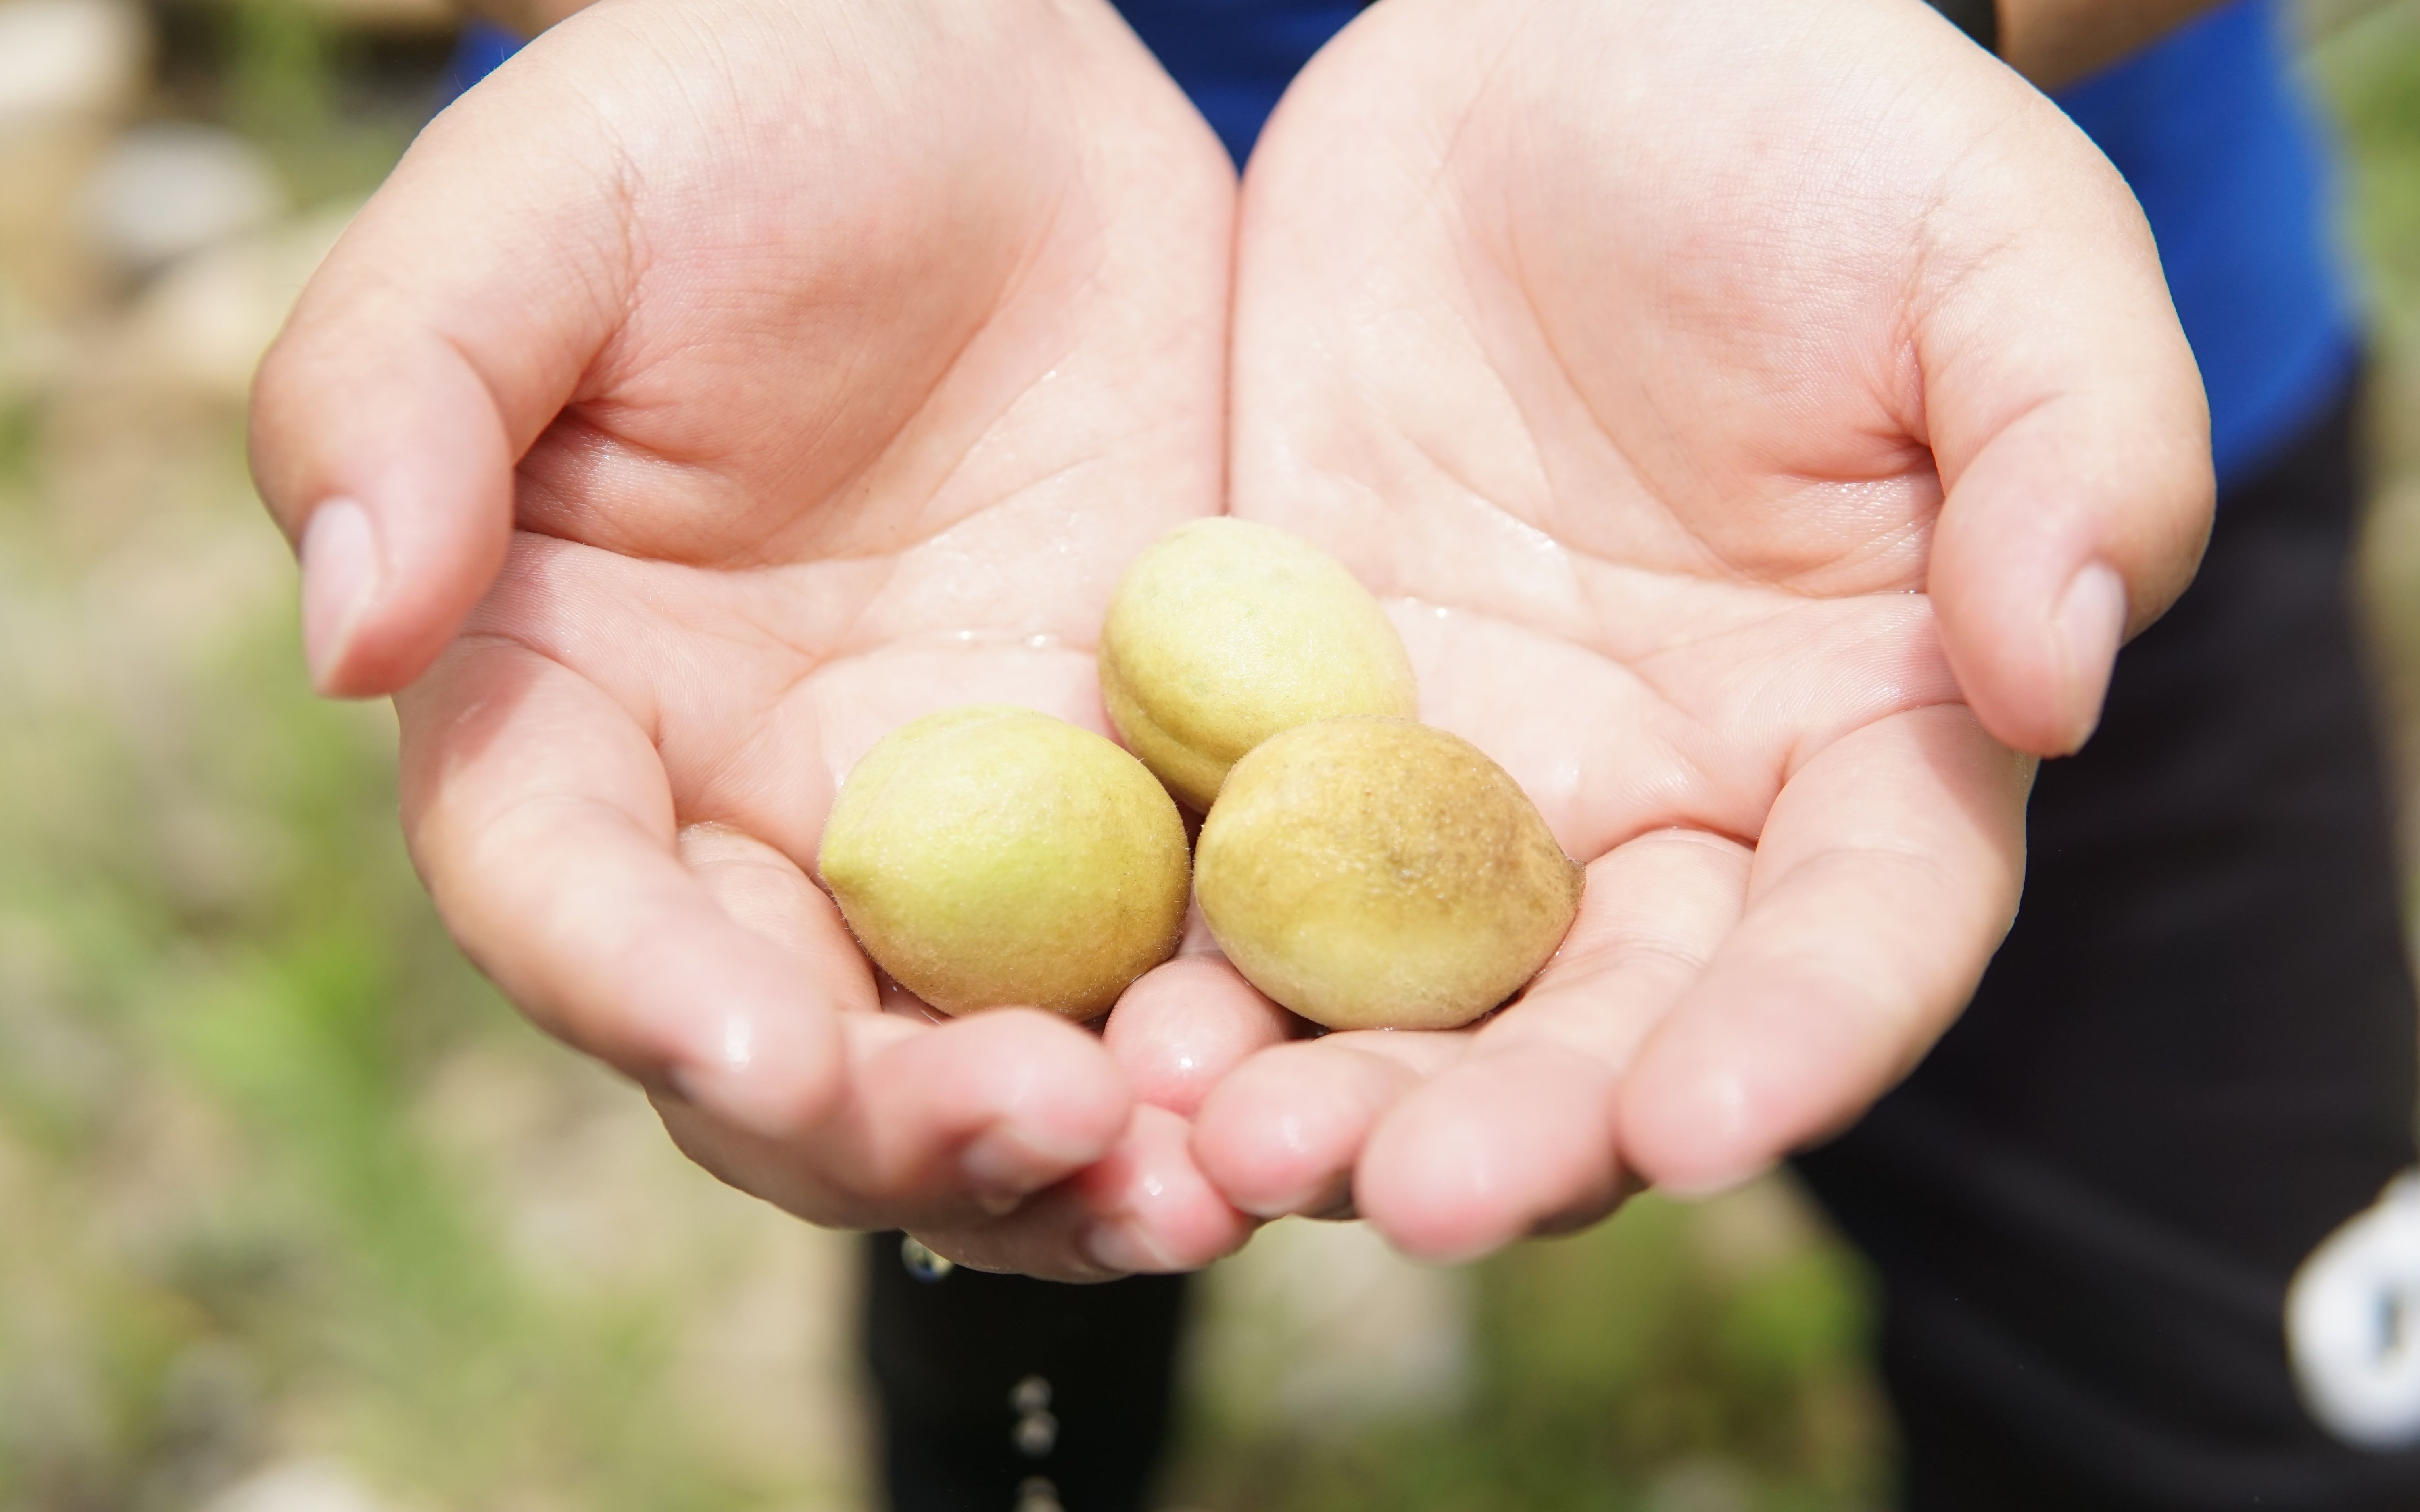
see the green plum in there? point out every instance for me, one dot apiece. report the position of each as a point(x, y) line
point(1377, 874)
point(1225, 632)
point(991, 855)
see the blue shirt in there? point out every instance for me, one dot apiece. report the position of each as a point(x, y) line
point(2234, 176)
point(2221, 149)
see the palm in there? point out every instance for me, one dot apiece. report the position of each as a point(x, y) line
point(1636, 426)
point(803, 369)
point(846, 404)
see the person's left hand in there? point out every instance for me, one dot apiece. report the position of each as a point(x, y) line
point(1764, 421)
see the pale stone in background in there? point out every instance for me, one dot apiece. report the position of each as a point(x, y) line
point(70, 58)
point(1320, 1328)
point(203, 324)
point(70, 71)
point(45, 276)
point(1743, 1234)
point(300, 1486)
point(1702, 1486)
point(171, 188)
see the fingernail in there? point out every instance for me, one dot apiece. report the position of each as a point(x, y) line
point(340, 581)
point(1005, 1165)
point(1112, 1246)
point(2091, 623)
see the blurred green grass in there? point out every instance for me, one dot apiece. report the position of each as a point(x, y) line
point(2364, 64)
point(233, 1226)
point(223, 1002)
point(1677, 1359)
point(238, 1221)
point(2366, 67)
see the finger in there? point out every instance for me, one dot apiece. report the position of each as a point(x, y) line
point(944, 1130)
point(1518, 1135)
point(538, 814)
point(1280, 1134)
point(1502, 1145)
point(973, 1116)
point(764, 890)
point(940, 1127)
point(1144, 1208)
point(1886, 874)
point(947, 1123)
point(1184, 1026)
point(444, 331)
point(2066, 419)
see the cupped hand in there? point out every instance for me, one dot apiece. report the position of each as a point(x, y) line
point(1765, 420)
point(714, 388)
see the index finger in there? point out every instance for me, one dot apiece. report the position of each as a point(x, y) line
point(539, 815)
point(1885, 876)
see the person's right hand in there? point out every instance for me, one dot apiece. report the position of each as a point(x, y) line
point(741, 379)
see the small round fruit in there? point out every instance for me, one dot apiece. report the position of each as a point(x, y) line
point(1226, 632)
point(1377, 874)
point(991, 855)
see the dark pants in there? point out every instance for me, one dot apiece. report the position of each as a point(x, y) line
point(2192, 1060)
point(990, 1384)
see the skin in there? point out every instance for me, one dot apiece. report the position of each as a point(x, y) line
point(721, 385)
point(1741, 522)
point(726, 385)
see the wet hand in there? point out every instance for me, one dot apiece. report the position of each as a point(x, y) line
point(713, 389)
point(1765, 421)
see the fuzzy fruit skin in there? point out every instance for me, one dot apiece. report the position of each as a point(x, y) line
point(991, 855)
point(1226, 632)
point(1376, 873)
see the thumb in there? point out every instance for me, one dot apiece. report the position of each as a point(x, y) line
point(446, 329)
point(2066, 419)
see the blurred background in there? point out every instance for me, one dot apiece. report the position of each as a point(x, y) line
point(296, 1216)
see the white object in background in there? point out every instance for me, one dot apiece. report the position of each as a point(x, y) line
point(2352, 1325)
point(1702, 1486)
point(1319, 1328)
point(173, 188)
point(299, 1486)
point(69, 58)
point(202, 324)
